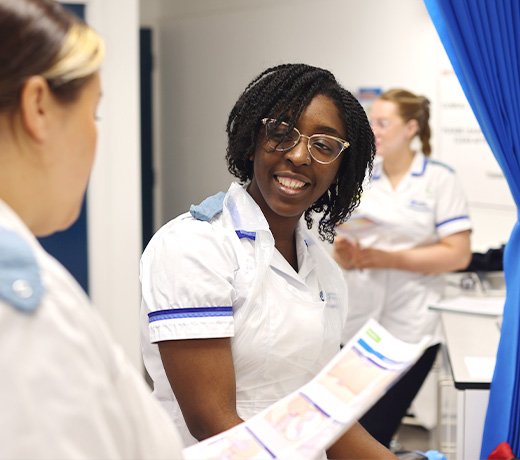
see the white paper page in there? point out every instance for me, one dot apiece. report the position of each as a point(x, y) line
point(305, 423)
point(480, 367)
point(493, 306)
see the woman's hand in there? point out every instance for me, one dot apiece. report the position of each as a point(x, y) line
point(451, 253)
point(344, 252)
point(202, 377)
point(358, 444)
point(349, 255)
point(372, 258)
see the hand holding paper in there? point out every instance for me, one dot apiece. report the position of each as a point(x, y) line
point(308, 421)
point(359, 226)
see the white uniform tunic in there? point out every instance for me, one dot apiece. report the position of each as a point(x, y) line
point(426, 206)
point(224, 278)
point(66, 391)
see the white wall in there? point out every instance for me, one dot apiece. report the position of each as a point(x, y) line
point(208, 58)
point(114, 200)
point(208, 51)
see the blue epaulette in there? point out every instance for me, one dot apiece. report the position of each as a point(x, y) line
point(20, 281)
point(209, 208)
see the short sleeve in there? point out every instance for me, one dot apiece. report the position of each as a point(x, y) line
point(187, 275)
point(451, 214)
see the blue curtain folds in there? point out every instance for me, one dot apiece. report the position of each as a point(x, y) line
point(482, 40)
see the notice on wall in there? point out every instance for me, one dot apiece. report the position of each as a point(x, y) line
point(463, 146)
point(366, 97)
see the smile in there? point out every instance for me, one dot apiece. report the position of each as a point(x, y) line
point(291, 183)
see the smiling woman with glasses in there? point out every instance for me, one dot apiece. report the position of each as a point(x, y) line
point(241, 305)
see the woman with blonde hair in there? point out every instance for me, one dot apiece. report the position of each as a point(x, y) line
point(66, 390)
point(395, 272)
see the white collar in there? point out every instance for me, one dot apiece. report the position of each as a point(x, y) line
point(242, 211)
point(12, 221)
point(306, 263)
point(417, 168)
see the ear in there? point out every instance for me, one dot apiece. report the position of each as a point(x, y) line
point(36, 104)
point(412, 128)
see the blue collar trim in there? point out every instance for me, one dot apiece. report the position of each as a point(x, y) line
point(243, 234)
point(418, 174)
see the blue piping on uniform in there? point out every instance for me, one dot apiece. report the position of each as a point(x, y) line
point(451, 220)
point(439, 163)
point(418, 174)
point(192, 312)
point(243, 234)
point(377, 174)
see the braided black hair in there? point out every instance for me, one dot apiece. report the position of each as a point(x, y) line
point(283, 92)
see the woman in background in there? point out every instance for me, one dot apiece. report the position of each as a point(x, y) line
point(66, 390)
point(241, 306)
point(395, 272)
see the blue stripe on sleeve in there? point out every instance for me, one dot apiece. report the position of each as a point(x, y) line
point(451, 220)
point(196, 312)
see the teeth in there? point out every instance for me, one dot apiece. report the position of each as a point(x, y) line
point(290, 183)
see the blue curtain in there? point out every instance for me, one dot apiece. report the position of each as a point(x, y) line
point(482, 40)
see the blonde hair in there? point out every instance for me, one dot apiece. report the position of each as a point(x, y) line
point(412, 107)
point(80, 56)
point(40, 37)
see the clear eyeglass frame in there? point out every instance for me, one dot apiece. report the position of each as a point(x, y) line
point(381, 124)
point(341, 143)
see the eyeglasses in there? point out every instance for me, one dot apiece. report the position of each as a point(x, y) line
point(381, 124)
point(323, 148)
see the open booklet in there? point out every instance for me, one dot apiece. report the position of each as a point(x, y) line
point(358, 226)
point(305, 423)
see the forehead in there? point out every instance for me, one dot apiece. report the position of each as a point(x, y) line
point(383, 109)
point(321, 114)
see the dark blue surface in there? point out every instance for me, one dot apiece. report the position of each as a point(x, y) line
point(70, 246)
point(147, 167)
point(77, 8)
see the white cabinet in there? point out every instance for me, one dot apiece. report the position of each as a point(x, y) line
point(471, 346)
